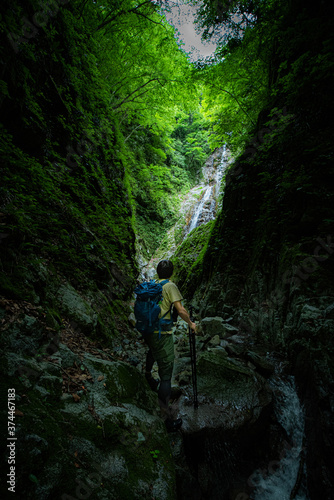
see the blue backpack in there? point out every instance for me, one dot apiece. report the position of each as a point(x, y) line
point(147, 308)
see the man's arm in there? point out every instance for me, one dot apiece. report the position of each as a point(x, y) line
point(184, 314)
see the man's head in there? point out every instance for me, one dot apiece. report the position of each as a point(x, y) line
point(165, 269)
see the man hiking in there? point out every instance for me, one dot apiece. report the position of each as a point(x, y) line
point(161, 343)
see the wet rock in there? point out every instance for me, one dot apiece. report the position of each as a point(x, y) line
point(230, 318)
point(262, 364)
point(23, 336)
point(132, 319)
point(65, 356)
point(133, 360)
point(215, 341)
point(230, 329)
point(181, 364)
point(37, 447)
point(113, 428)
point(329, 311)
point(310, 312)
point(27, 368)
point(231, 395)
point(122, 381)
point(203, 342)
point(234, 350)
point(213, 326)
point(229, 310)
point(183, 377)
point(236, 339)
point(52, 384)
point(218, 348)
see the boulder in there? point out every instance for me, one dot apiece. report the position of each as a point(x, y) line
point(132, 319)
point(214, 341)
point(217, 326)
point(213, 326)
point(108, 442)
point(231, 395)
point(262, 364)
point(76, 308)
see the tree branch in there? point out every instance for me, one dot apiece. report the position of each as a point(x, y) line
point(155, 22)
point(122, 12)
point(126, 99)
point(128, 137)
point(242, 109)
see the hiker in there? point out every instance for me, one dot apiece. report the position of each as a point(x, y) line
point(161, 343)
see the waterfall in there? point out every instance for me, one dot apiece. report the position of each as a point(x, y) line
point(220, 171)
point(213, 178)
point(199, 209)
point(282, 480)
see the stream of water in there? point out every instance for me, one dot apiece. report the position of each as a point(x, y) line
point(285, 479)
point(199, 209)
point(202, 211)
point(221, 170)
point(218, 460)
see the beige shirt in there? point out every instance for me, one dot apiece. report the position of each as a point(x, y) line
point(170, 294)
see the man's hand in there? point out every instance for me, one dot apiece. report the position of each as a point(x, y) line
point(184, 315)
point(192, 326)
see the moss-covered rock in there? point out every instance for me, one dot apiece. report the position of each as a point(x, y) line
point(76, 308)
point(84, 425)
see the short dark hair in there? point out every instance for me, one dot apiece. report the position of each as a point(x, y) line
point(165, 269)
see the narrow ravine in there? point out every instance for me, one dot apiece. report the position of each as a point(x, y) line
point(107, 130)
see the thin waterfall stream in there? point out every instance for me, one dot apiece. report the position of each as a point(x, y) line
point(207, 207)
point(199, 208)
point(285, 479)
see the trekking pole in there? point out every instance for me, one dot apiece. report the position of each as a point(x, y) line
point(192, 343)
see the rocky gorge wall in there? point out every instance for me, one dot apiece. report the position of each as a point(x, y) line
point(268, 262)
point(269, 265)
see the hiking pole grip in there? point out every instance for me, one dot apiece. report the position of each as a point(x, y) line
point(192, 344)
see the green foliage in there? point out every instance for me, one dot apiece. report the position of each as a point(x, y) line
point(190, 142)
point(162, 168)
point(89, 102)
point(146, 76)
point(238, 82)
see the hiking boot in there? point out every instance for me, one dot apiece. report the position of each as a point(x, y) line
point(173, 425)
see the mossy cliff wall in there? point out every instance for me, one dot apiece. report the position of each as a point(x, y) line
point(66, 217)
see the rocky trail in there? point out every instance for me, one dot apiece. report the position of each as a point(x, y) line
point(100, 398)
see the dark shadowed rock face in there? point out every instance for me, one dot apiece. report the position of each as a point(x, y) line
point(234, 427)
